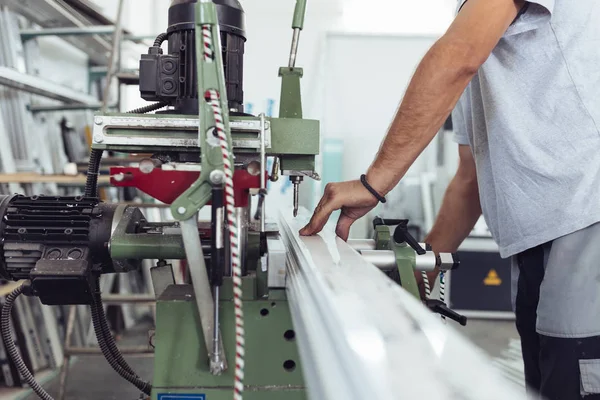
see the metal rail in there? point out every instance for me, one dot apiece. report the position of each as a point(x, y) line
point(362, 336)
point(32, 84)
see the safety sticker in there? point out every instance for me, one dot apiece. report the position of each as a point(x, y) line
point(170, 396)
point(492, 279)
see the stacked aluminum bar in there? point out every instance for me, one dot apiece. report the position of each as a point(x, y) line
point(361, 336)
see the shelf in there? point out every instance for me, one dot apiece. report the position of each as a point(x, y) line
point(66, 180)
point(68, 13)
point(39, 86)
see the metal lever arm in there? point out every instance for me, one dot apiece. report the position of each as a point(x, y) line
point(210, 77)
point(437, 306)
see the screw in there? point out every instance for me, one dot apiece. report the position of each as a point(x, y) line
point(98, 138)
point(98, 120)
point(217, 177)
point(181, 210)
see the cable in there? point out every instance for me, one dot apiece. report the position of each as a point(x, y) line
point(91, 182)
point(148, 108)
point(106, 351)
point(106, 334)
point(212, 97)
point(11, 349)
point(160, 39)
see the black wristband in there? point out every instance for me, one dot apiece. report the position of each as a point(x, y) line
point(363, 180)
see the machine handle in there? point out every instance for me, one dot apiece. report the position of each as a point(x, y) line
point(402, 235)
point(437, 306)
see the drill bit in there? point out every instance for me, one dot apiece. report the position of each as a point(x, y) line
point(296, 180)
point(296, 190)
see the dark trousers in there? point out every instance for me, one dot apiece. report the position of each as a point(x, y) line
point(552, 365)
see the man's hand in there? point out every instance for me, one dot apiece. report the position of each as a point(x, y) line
point(351, 197)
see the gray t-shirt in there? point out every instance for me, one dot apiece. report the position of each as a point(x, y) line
point(531, 117)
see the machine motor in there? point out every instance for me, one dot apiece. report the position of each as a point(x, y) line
point(172, 78)
point(59, 243)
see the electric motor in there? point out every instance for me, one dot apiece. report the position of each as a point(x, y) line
point(172, 78)
point(59, 243)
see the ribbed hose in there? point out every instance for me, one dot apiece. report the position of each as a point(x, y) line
point(91, 183)
point(11, 349)
point(148, 108)
point(160, 39)
point(106, 351)
point(109, 339)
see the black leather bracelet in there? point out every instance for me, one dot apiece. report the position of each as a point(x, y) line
point(363, 180)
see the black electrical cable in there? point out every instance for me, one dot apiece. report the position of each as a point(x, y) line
point(108, 338)
point(160, 39)
point(91, 183)
point(148, 108)
point(11, 349)
point(102, 343)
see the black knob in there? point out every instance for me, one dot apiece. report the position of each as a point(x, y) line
point(401, 235)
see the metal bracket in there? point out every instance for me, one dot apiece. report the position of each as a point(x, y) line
point(249, 131)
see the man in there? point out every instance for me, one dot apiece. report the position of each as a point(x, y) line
point(529, 146)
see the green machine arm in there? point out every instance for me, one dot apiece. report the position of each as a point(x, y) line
point(210, 77)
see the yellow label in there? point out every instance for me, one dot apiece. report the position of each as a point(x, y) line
point(492, 279)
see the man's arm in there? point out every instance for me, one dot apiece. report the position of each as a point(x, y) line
point(437, 85)
point(433, 92)
point(459, 212)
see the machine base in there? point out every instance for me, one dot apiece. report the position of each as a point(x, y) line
point(272, 370)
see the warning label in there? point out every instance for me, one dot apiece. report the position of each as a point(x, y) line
point(492, 279)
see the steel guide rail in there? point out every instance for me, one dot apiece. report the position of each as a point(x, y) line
point(361, 336)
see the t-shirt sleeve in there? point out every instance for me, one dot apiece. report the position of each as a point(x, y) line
point(536, 13)
point(458, 125)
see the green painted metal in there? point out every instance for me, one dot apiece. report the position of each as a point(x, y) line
point(299, 13)
point(405, 258)
point(297, 163)
point(291, 136)
point(210, 77)
point(290, 102)
point(181, 361)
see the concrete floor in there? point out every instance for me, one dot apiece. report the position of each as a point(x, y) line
point(91, 378)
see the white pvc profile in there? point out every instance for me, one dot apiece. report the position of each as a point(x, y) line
point(361, 336)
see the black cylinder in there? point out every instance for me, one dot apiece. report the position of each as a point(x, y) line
point(181, 36)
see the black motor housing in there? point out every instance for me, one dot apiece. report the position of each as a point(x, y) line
point(172, 78)
point(59, 243)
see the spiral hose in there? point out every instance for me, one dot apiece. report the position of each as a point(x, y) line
point(12, 350)
point(98, 320)
point(148, 108)
point(160, 39)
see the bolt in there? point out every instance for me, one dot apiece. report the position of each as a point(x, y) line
point(98, 138)
point(120, 177)
point(98, 120)
point(181, 210)
point(267, 125)
point(217, 177)
point(146, 166)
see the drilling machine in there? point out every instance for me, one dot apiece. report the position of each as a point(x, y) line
point(227, 331)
